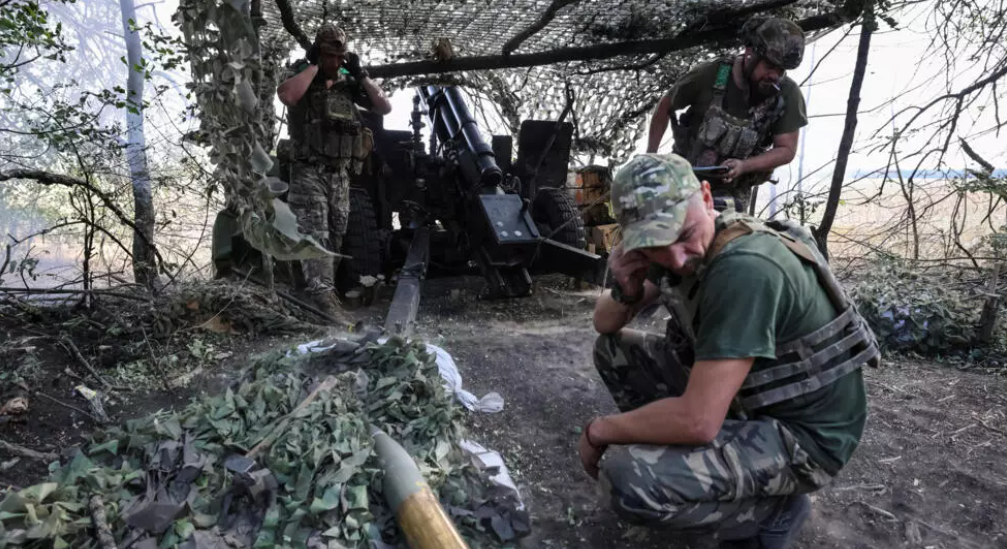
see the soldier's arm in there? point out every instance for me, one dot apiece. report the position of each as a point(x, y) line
point(783, 152)
point(292, 89)
point(693, 418)
point(610, 316)
point(379, 103)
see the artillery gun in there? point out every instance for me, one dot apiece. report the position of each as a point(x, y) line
point(460, 206)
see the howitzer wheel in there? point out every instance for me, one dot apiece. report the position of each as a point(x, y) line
point(362, 242)
point(557, 218)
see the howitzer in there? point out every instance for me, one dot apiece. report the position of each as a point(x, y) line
point(460, 207)
point(471, 206)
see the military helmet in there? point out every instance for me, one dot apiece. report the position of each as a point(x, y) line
point(780, 41)
point(331, 39)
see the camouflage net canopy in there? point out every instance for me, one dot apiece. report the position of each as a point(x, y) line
point(610, 96)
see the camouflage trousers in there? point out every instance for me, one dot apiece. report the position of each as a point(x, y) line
point(320, 198)
point(725, 489)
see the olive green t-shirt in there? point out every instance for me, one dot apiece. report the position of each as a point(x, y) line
point(695, 89)
point(756, 293)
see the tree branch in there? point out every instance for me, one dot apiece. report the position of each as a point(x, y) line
point(49, 178)
point(541, 23)
point(21, 451)
point(849, 130)
point(592, 53)
point(991, 79)
point(975, 156)
point(290, 24)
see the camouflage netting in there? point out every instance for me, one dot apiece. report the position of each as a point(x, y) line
point(163, 482)
point(235, 46)
point(611, 96)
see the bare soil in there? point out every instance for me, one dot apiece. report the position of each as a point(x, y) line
point(930, 471)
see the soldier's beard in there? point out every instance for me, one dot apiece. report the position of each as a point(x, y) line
point(691, 265)
point(767, 87)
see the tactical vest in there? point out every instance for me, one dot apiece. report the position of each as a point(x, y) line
point(817, 359)
point(722, 136)
point(326, 128)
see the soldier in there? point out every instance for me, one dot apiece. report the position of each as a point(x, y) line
point(765, 402)
point(327, 140)
point(743, 113)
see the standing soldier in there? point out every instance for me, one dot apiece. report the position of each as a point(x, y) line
point(327, 140)
point(743, 113)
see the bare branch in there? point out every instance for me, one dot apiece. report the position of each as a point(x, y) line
point(975, 156)
point(291, 25)
point(724, 33)
point(849, 130)
point(979, 84)
point(538, 25)
point(49, 178)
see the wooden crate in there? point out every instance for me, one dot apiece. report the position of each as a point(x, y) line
point(605, 237)
point(590, 187)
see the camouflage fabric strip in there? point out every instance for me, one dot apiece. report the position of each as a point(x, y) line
point(724, 489)
point(319, 197)
point(637, 368)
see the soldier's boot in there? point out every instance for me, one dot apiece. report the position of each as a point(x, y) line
point(780, 531)
point(328, 302)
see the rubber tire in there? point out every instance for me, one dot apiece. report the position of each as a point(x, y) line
point(552, 208)
point(362, 242)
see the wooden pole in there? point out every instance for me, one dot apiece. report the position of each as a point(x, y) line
point(727, 33)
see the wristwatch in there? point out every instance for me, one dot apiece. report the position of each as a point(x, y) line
point(619, 297)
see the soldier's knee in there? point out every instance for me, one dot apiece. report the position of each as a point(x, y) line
point(604, 351)
point(629, 493)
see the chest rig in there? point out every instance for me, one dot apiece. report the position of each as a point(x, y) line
point(329, 129)
point(721, 135)
point(819, 358)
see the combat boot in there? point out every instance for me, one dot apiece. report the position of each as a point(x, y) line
point(326, 301)
point(780, 530)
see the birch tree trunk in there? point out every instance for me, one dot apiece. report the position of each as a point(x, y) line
point(144, 263)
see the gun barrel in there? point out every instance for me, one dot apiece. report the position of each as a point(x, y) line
point(414, 504)
point(451, 119)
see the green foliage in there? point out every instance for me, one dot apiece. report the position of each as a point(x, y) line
point(26, 34)
point(910, 312)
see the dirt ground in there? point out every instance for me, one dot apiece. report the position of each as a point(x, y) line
point(929, 473)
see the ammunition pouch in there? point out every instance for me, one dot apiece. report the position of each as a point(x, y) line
point(727, 136)
point(331, 133)
point(341, 144)
point(721, 135)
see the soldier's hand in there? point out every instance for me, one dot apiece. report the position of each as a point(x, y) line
point(314, 52)
point(352, 64)
point(629, 270)
point(590, 455)
point(736, 168)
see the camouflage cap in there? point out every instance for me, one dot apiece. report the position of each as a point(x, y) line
point(331, 39)
point(650, 197)
point(781, 41)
